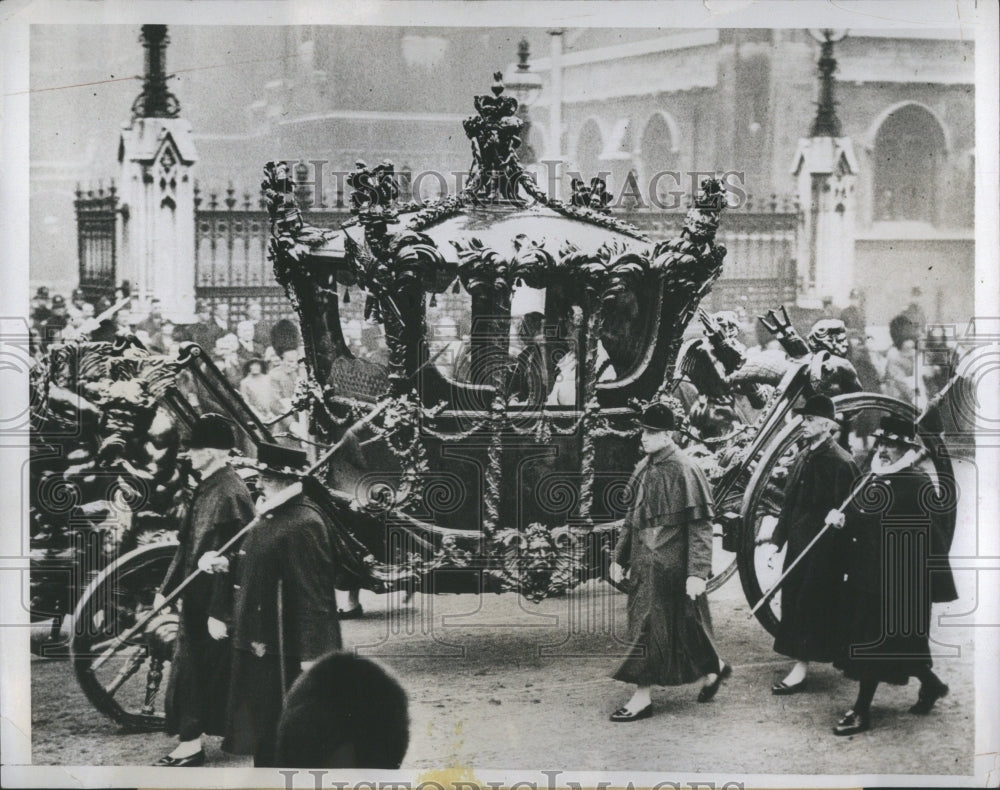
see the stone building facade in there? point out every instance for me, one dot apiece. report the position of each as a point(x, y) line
point(630, 101)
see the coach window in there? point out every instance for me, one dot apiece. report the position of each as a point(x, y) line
point(449, 320)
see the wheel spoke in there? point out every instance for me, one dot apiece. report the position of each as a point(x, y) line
point(135, 660)
point(126, 686)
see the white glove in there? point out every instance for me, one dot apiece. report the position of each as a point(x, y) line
point(217, 629)
point(306, 665)
point(695, 587)
point(213, 562)
point(835, 519)
point(158, 600)
point(616, 572)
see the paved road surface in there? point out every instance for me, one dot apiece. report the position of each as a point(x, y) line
point(496, 681)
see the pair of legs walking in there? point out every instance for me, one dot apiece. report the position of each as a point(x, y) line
point(858, 718)
point(641, 700)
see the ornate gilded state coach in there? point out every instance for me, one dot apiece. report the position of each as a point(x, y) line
point(485, 450)
point(572, 317)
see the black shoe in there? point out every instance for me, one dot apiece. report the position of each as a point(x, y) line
point(354, 613)
point(191, 761)
point(623, 714)
point(852, 723)
point(707, 692)
point(927, 697)
point(782, 689)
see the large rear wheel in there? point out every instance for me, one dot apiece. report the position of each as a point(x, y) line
point(125, 678)
point(759, 563)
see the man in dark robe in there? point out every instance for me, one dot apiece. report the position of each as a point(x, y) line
point(820, 480)
point(666, 545)
point(286, 611)
point(900, 536)
point(196, 691)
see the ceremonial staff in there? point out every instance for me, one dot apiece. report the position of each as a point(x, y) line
point(854, 492)
point(292, 491)
point(777, 585)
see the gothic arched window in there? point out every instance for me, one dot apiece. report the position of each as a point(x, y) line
point(657, 150)
point(909, 156)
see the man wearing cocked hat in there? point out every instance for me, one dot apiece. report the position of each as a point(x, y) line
point(286, 611)
point(666, 545)
point(900, 533)
point(199, 675)
point(819, 480)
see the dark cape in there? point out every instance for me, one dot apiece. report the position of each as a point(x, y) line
point(667, 537)
point(898, 565)
point(286, 613)
point(196, 696)
point(819, 481)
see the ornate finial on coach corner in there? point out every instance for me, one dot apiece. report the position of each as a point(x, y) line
point(594, 195)
point(277, 191)
point(373, 200)
point(495, 134)
point(712, 195)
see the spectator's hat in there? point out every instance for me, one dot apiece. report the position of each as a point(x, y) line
point(254, 361)
point(901, 329)
point(284, 336)
point(818, 406)
point(345, 711)
point(42, 292)
point(658, 417)
point(279, 461)
point(212, 430)
point(896, 430)
point(58, 300)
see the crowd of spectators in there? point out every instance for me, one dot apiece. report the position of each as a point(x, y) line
point(261, 360)
point(264, 361)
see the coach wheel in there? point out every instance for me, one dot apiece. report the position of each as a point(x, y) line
point(125, 679)
point(723, 562)
point(759, 564)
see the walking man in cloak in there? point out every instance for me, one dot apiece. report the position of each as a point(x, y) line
point(199, 675)
point(820, 480)
point(666, 546)
point(898, 565)
point(286, 611)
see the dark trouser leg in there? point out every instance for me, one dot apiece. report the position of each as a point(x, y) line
point(928, 678)
point(268, 704)
point(931, 690)
point(866, 693)
point(185, 692)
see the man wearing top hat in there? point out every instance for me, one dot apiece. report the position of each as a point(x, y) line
point(286, 612)
point(196, 691)
point(819, 480)
point(666, 545)
point(900, 532)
